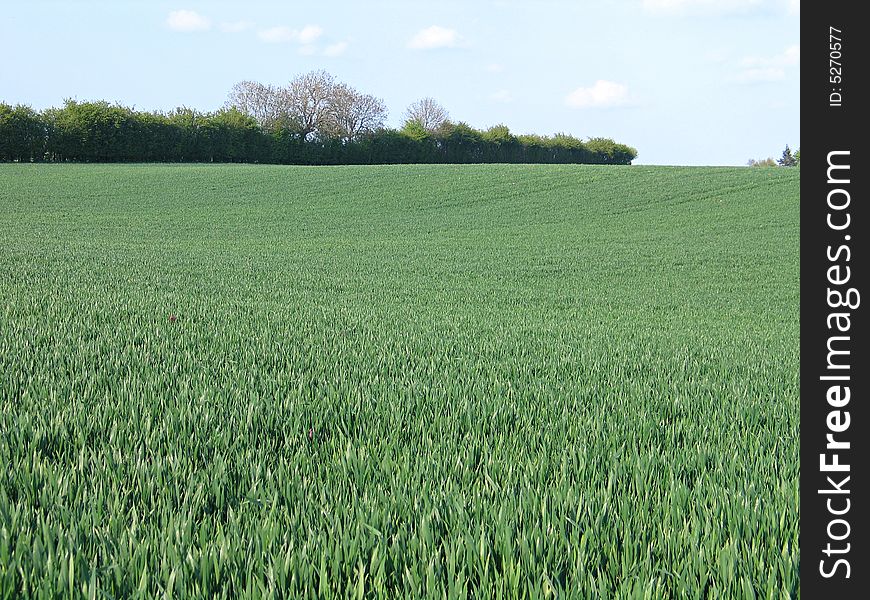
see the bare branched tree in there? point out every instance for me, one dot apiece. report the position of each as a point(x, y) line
point(352, 113)
point(309, 98)
point(266, 103)
point(312, 105)
point(427, 113)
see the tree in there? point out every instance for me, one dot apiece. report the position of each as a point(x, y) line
point(609, 152)
point(22, 133)
point(499, 134)
point(232, 136)
point(415, 131)
point(352, 114)
point(427, 113)
point(308, 99)
point(268, 104)
point(93, 132)
point(787, 159)
point(765, 162)
point(797, 157)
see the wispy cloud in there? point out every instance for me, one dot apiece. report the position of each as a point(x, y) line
point(502, 96)
point(603, 94)
point(282, 34)
point(435, 37)
point(187, 20)
point(495, 68)
point(235, 26)
point(336, 49)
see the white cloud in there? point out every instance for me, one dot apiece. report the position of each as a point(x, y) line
point(695, 7)
point(794, 7)
point(604, 94)
point(235, 26)
point(502, 96)
point(336, 49)
point(282, 34)
point(187, 20)
point(495, 68)
point(310, 33)
point(435, 37)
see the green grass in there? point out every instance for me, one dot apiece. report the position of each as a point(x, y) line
point(440, 381)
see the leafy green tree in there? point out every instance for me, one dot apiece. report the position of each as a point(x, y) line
point(22, 133)
point(461, 142)
point(499, 134)
point(787, 159)
point(94, 132)
point(232, 136)
point(415, 131)
point(610, 152)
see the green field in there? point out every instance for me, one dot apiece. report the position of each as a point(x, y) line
point(398, 381)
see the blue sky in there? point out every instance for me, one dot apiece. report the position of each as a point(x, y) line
point(684, 81)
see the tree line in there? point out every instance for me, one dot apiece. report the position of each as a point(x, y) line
point(312, 120)
point(786, 160)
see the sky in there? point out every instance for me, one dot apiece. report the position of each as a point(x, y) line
point(688, 82)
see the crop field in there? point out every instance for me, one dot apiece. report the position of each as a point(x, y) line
point(400, 381)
